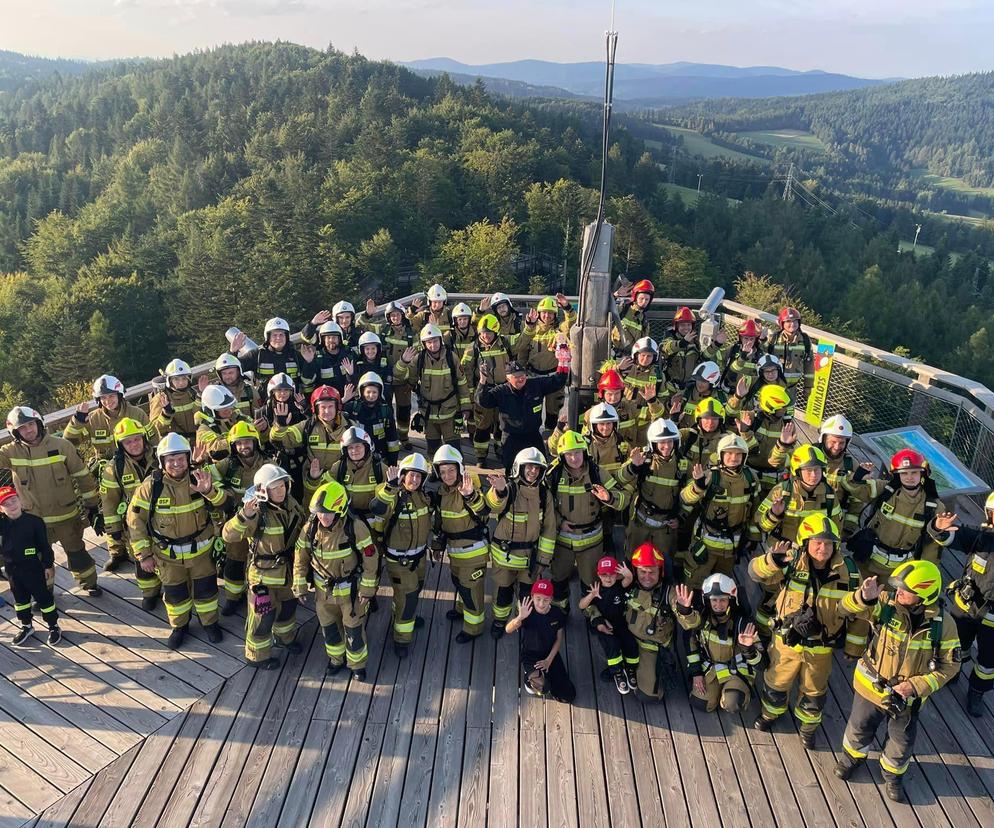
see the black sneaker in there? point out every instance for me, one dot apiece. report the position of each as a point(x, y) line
point(621, 682)
point(632, 677)
point(497, 631)
point(763, 724)
point(230, 606)
point(846, 766)
point(214, 633)
point(94, 591)
point(176, 637)
point(22, 635)
point(150, 602)
point(360, 674)
point(464, 637)
point(54, 636)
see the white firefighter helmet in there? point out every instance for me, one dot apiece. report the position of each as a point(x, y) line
point(526, 456)
point(447, 454)
point(838, 425)
point(107, 384)
point(217, 397)
point(430, 332)
point(436, 293)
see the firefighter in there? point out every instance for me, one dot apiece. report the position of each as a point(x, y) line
point(655, 481)
point(805, 492)
point(172, 409)
point(699, 443)
point(229, 374)
point(398, 335)
point(332, 364)
point(813, 576)
point(742, 359)
point(374, 413)
point(218, 414)
point(843, 471)
point(634, 315)
point(29, 564)
point(435, 313)
point(722, 651)
point(172, 535)
point(519, 401)
point(704, 383)
point(524, 535)
point(651, 619)
point(765, 429)
point(724, 499)
point(371, 359)
point(94, 421)
point(580, 498)
point(605, 444)
point(461, 531)
point(905, 521)
point(462, 336)
point(321, 435)
point(337, 549)
point(913, 652)
point(610, 390)
point(488, 356)
point(403, 512)
point(286, 408)
point(543, 628)
point(436, 377)
point(275, 356)
point(343, 313)
point(792, 347)
point(642, 368)
point(544, 336)
point(269, 520)
point(131, 463)
point(972, 604)
point(232, 475)
point(680, 347)
point(51, 480)
point(510, 321)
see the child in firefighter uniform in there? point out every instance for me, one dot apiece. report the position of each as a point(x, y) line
point(461, 525)
point(605, 607)
point(270, 520)
point(650, 617)
point(722, 656)
point(807, 620)
point(403, 511)
point(524, 535)
point(337, 549)
point(543, 627)
point(914, 650)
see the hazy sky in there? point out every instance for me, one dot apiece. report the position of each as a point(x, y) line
point(865, 37)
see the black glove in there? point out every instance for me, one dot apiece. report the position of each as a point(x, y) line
point(96, 520)
point(779, 559)
point(116, 536)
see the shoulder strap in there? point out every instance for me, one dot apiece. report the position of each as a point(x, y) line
point(512, 493)
point(450, 359)
point(853, 570)
point(119, 467)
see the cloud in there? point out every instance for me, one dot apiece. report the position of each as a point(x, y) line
point(233, 8)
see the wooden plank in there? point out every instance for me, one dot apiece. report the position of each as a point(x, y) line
point(584, 670)
point(60, 689)
point(534, 780)
point(443, 801)
point(23, 782)
point(647, 794)
point(664, 761)
point(235, 715)
point(12, 810)
point(128, 671)
point(504, 772)
point(53, 765)
point(388, 786)
point(100, 682)
point(60, 814)
point(141, 632)
point(165, 775)
point(810, 797)
point(63, 735)
point(587, 791)
point(104, 789)
point(151, 754)
point(475, 778)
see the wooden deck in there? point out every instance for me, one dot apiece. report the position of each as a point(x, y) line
point(114, 729)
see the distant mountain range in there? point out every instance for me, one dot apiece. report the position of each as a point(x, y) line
point(17, 69)
point(642, 83)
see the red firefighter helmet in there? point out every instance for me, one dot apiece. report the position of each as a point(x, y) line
point(749, 328)
point(647, 554)
point(908, 460)
point(683, 314)
point(323, 393)
point(610, 381)
point(788, 313)
point(643, 286)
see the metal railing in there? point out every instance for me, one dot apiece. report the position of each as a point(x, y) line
point(875, 389)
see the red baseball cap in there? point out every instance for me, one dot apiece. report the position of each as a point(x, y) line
point(543, 587)
point(607, 566)
point(6, 493)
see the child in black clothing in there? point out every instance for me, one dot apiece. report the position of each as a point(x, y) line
point(542, 627)
point(604, 605)
point(28, 560)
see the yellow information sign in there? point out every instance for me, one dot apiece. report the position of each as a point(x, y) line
point(824, 356)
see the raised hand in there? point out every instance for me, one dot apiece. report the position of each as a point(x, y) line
point(300, 399)
point(638, 456)
point(684, 595)
point(562, 301)
point(237, 341)
point(261, 424)
point(314, 469)
point(623, 570)
point(307, 352)
point(250, 508)
point(202, 382)
point(602, 494)
point(648, 392)
point(625, 363)
point(348, 366)
point(370, 307)
point(281, 409)
point(525, 609)
point(697, 472)
point(741, 387)
point(85, 408)
point(466, 487)
point(946, 521)
point(497, 482)
point(870, 589)
point(201, 481)
point(676, 404)
point(788, 434)
point(409, 353)
point(778, 507)
point(485, 303)
point(349, 392)
point(393, 472)
point(748, 636)
point(595, 589)
point(321, 317)
point(532, 316)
